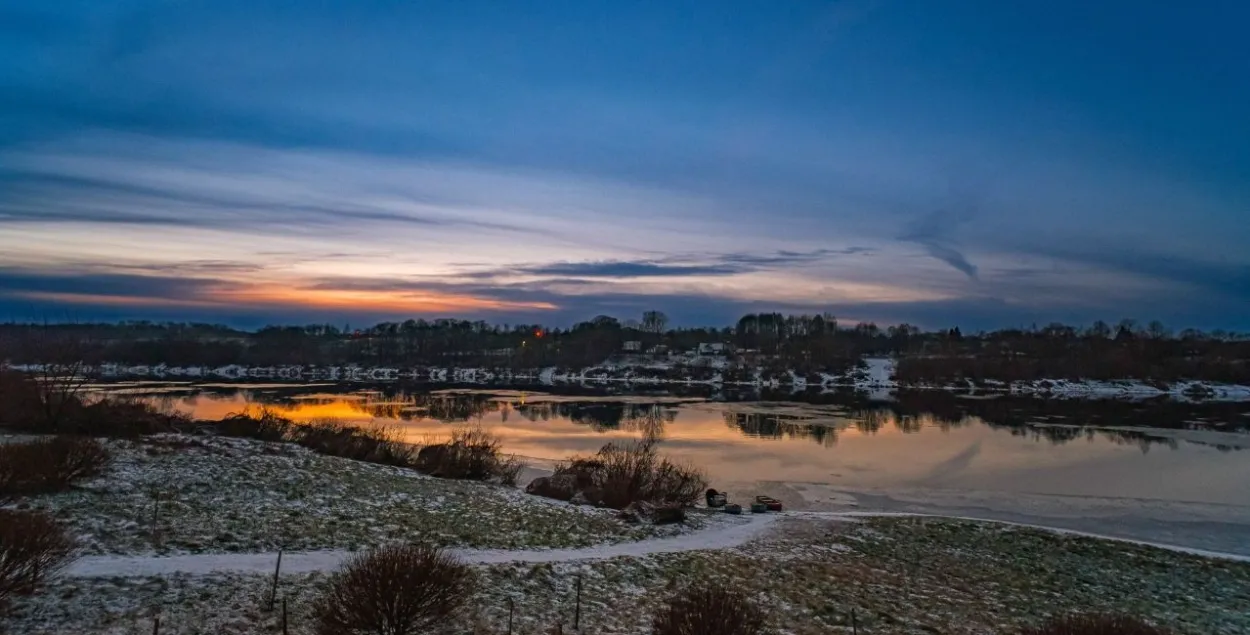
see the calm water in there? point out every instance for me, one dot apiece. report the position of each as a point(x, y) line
point(1002, 445)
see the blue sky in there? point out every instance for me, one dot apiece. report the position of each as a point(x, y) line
point(975, 163)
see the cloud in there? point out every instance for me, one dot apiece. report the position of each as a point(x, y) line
point(932, 231)
point(21, 282)
point(678, 265)
point(72, 194)
point(625, 269)
point(1231, 279)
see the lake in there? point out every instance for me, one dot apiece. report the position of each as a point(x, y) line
point(849, 443)
point(1156, 471)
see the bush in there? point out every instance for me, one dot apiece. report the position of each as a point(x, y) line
point(116, 417)
point(471, 454)
point(265, 425)
point(49, 465)
point(624, 473)
point(508, 470)
point(1096, 625)
point(332, 437)
point(32, 548)
point(395, 590)
point(709, 610)
point(52, 406)
point(338, 438)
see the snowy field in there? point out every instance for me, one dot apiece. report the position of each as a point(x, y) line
point(897, 575)
point(172, 494)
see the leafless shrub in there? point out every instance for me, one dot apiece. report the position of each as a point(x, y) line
point(624, 473)
point(262, 425)
point(472, 453)
point(48, 402)
point(709, 610)
point(49, 465)
point(1094, 624)
point(119, 417)
point(395, 590)
point(60, 374)
point(333, 437)
point(508, 470)
point(32, 548)
point(338, 438)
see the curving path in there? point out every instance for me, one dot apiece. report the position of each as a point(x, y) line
point(724, 537)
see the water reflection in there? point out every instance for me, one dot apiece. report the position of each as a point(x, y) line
point(852, 442)
point(819, 423)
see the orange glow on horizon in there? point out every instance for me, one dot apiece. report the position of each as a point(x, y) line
point(394, 301)
point(399, 301)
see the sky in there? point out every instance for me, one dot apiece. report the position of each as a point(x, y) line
point(975, 163)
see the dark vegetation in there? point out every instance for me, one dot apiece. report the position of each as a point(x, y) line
point(395, 590)
point(49, 465)
point(709, 610)
point(625, 474)
point(1096, 625)
point(470, 453)
point(54, 402)
point(775, 342)
point(33, 547)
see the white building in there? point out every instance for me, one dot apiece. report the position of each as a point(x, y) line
point(712, 348)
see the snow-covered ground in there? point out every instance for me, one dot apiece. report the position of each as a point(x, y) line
point(898, 575)
point(229, 503)
point(174, 494)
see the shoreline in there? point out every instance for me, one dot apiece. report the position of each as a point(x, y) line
point(876, 381)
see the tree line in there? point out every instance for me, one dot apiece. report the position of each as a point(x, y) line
point(806, 344)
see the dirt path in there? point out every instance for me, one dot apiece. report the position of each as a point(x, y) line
point(722, 537)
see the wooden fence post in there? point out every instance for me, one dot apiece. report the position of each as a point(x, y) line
point(577, 613)
point(273, 592)
point(511, 607)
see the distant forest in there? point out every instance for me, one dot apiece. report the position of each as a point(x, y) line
point(805, 344)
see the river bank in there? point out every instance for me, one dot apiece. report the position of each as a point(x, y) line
point(873, 377)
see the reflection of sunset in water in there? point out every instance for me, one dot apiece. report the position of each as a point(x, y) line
point(791, 442)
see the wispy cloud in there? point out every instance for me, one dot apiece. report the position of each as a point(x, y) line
point(933, 232)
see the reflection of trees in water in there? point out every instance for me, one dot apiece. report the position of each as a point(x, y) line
point(912, 422)
point(913, 412)
point(646, 419)
point(773, 426)
point(451, 408)
point(1059, 435)
point(873, 420)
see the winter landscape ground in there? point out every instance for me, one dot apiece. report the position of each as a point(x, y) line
point(203, 563)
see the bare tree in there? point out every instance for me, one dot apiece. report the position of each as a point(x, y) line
point(654, 322)
point(60, 371)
